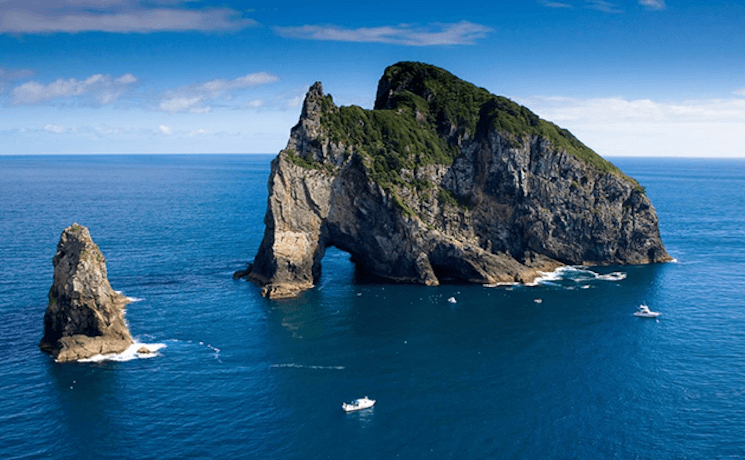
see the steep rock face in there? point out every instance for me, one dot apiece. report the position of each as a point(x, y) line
point(443, 181)
point(85, 317)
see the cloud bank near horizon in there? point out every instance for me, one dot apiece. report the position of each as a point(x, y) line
point(618, 126)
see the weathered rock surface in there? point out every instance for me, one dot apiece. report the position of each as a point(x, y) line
point(443, 181)
point(85, 317)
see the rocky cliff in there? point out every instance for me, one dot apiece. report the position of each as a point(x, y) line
point(85, 317)
point(443, 181)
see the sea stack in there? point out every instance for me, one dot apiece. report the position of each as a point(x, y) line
point(85, 317)
point(443, 182)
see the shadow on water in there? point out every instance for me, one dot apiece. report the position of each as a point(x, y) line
point(85, 395)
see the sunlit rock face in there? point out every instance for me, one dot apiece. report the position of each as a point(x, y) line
point(85, 317)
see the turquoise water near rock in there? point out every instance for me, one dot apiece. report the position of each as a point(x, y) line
point(496, 375)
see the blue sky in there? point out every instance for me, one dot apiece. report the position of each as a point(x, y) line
point(628, 77)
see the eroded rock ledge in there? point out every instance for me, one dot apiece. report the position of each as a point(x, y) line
point(85, 316)
point(443, 181)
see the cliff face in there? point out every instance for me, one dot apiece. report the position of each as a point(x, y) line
point(443, 181)
point(85, 317)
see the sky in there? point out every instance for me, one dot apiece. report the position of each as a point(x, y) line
point(627, 77)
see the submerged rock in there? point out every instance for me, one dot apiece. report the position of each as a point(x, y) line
point(85, 316)
point(443, 181)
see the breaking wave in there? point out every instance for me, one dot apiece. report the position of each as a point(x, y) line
point(129, 354)
point(131, 299)
point(568, 274)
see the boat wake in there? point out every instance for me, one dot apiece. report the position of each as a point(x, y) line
point(129, 354)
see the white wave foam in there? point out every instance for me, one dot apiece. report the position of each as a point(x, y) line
point(548, 277)
point(129, 354)
point(131, 299)
point(576, 274)
point(511, 283)
point(304, 366)
point(615, 276)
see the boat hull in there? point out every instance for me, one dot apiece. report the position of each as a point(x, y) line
point(647, 315)
point(359, 404)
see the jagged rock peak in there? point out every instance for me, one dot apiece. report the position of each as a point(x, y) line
point(443, 181)
point(85, 316)
point(312, 102)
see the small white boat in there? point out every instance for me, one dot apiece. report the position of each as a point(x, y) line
point(452, 300)
point(645, 312)
point(358, 404)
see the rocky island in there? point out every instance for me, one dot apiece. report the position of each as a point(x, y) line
point(443, 182)
point(85, 316)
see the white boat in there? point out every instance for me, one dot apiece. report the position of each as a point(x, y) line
point(358, 404)
point(452, 300)
point(645, 312)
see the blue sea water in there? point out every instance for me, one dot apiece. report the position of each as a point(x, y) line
point(496, 375)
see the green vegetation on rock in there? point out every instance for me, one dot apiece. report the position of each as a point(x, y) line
point(388, 140)
point(300, 161)
point(423, 115)
point(448, 102)
point(303, 163)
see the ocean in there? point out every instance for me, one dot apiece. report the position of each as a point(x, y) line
point(561, 370)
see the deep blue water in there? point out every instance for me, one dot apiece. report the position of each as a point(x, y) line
point(496, 375)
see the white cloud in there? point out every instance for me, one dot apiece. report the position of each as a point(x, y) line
point(102, 88)
point(739, 92)
point(653, 4)
point(198, 132)
point(254, 104)
point(175, 104)
point(197, 98)
point(459, 33)
point(555, 4)
point(55, 129)
point(294, 102)
point(130, 19)
point(616, 109)
point(618, 126)
point(252, 79)
point(165, 130)
point(604, 6)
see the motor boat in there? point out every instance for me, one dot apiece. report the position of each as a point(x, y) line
point(358, 404)
point(645, 312)
point(452, 300)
